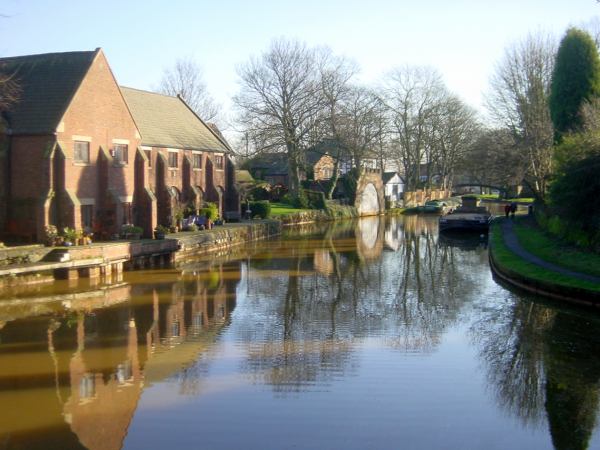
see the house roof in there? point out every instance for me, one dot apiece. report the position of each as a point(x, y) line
point(387, 176)
point(269, 163)
point(47, 83)
point(243, 176)
point(166, 121)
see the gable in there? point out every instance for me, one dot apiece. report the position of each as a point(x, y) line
point(47, 83)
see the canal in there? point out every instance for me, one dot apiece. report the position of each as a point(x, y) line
point(376, 334)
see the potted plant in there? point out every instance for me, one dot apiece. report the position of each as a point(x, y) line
point(160, 231)
point(131, 231)
point(52, 237)
point(69, 236)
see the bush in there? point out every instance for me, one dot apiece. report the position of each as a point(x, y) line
point(261, 209)
point(349, 183)
point(316, 199)
point(211, 209)
point(259, 193)
point(131, 229)
point(574, 197)
point(300, 201)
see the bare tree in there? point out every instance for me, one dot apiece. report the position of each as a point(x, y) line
point(493, 160)
point(412, 95)
point(454, 130)
point(335, 75)
point(518, 102)
point(280, 101)
point(185, 79)
point(10, 90)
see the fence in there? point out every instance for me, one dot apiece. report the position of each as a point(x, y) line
point(420, 196)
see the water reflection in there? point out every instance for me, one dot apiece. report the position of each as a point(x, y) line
point(73, 380)
point(539, 362)
point(370, 304)
point(337, 291)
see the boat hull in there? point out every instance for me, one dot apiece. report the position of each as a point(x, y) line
point(466, 224)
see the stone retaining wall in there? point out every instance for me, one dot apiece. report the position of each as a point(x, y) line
point(23, 254)
point(219, 238)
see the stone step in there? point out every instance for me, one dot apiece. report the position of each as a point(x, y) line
point(58, 255)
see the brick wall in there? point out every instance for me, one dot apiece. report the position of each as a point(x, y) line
point(99, 114)
point(323, 168)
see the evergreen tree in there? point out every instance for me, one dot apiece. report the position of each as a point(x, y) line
point(575, 80)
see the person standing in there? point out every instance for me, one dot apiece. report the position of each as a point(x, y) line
point(513, 209)
point(506, 210)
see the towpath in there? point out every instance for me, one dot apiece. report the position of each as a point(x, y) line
point(512, 242)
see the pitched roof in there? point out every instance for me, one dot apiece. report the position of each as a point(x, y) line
point(166, 121)
point(48, 83)
point(269, 163)
point(243, 176)
point(387, 176)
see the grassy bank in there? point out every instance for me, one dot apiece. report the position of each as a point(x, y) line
point(493, 197)
point(513, 264)
point(551, 249)
point(282, 209)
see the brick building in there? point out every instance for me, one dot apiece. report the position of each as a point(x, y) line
point(70, 151)
point(187, 161)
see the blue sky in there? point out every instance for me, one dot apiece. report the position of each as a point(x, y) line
point(463, 39)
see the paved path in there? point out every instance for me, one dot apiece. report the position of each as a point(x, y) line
point(512, 242)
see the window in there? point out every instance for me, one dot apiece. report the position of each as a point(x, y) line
point(120, 153)
point(149, 156)
point(127, 213)
point(197, 160)
point(219, 161)
point(87, 216)
point(81, 153)
point(173, 160)
point(87, 386)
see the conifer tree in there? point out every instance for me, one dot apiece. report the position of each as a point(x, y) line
point(575, 80)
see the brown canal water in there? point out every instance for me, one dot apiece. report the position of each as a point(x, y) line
point(356, 335)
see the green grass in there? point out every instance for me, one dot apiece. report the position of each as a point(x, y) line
point(497, 197)
point(508, 260)
point(551, 249)
point(282, 209)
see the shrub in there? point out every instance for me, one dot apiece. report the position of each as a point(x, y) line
point(300, 201)
point(131, 229)
point(211, 209)
point(259, 193)
point(349, 183)
point(261, 209)
point(316, 199)
point(161, 229)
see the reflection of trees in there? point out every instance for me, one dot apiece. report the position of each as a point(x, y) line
point(511, 346)
point(543, 362)
point(318, 312)
point(572, 376)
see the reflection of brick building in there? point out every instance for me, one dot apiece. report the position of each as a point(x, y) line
point(71, 155)
point(79, 379)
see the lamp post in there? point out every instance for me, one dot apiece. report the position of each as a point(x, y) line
point(248, 212)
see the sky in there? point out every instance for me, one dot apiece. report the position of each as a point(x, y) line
point(463, 39)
